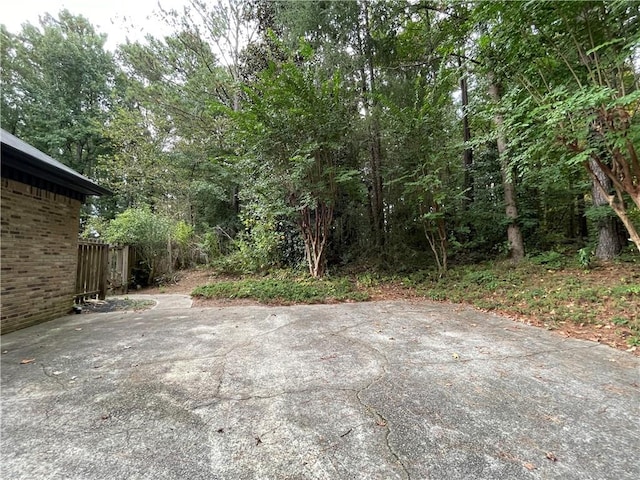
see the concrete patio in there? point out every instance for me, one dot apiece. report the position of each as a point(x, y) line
point(381, 390)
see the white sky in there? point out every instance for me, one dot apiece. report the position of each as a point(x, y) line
point(119, 19)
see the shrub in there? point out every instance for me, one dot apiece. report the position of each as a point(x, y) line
point(148, 232)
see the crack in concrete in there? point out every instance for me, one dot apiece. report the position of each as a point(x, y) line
point(382, 421)
point(379, 417)
point(54, 377)
point(281, 393)
point(268, 332)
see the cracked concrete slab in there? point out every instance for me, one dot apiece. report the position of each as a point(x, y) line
point(382, 390)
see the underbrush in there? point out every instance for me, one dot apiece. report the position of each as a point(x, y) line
point(284, 290)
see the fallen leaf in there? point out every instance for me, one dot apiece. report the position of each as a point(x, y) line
point(529, 466)
point(381, 422)
point(24, 361)
point(106, 416)
point(552, 457)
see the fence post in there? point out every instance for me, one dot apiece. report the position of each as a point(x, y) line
point(103, 271)
point(125, 269)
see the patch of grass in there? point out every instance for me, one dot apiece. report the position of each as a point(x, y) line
point(283, 290)
point(619, 321)
point(625, 290)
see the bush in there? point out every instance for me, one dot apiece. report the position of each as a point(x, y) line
point(148, 232)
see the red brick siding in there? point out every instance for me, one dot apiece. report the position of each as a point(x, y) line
point(39, 254)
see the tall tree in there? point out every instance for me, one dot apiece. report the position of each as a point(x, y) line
point(60, 85)
point(173, 81)
point(295, 124)
point(514, 234)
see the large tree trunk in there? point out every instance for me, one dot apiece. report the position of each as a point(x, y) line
point(616, 201)
point(514, 235)
point(608, 239)
point(620, 165)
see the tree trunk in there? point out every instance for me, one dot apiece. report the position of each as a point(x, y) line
point(608, 240)
point(377, 203)
point(514, 235)
point(467, 156)
point(617, 203)
point(367, 73)
point(619, 164)
point(315, 225)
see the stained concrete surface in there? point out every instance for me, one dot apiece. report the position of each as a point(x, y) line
point(383, 390)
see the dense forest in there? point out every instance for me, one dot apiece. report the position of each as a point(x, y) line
point(390, 135)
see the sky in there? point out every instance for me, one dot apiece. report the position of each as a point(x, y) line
point(119, 19)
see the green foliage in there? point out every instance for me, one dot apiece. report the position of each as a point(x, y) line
point(293, 126)
point(57, 88)
point(481, 277)
point(283, 290)
point(584, 257)
point(550, 259)
point(209, 246)
point(139, 227)
point(182, 233)
point(266, 148)
point(148, 232)
point(572, 103)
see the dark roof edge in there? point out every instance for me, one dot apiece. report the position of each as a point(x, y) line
point(35, 162)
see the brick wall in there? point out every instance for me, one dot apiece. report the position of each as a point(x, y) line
point(39, 249)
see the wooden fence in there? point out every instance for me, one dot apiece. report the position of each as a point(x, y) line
point(102, 267)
